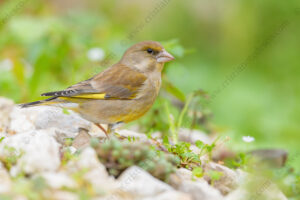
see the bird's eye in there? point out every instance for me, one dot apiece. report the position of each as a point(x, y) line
point(150, 51)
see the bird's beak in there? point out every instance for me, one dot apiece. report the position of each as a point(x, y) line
point(164, 56)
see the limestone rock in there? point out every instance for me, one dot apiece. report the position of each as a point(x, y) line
point(95, 172)
point(38, 151)
point(82, 139)
point(5, 180)
point(64, 195)
point(6, 106)
point(228, 181)
point(141, 184)
point(170, 195)
point(46, 117)
point(58, 180)
point(179, 176)
point(266, 190)
point(21, 121)
point(184, 173)
point(270, 157)
point(200, 190)
point(129, 133)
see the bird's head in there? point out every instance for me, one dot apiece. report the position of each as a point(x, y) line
point(146, 56)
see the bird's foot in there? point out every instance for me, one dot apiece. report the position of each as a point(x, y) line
point(103, 129)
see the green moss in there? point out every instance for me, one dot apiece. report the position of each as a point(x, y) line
point(119, 155)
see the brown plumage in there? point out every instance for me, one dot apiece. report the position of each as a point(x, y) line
point(120, 94)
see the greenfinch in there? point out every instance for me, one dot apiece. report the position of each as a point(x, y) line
point(120, 94)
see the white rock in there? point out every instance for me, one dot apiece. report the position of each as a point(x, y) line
point(6, 106)
point(88, 159)
point(266, 190)
point(184, 174)
point(96, 173)
point(46, 117)
point(141, 137)
point(14, 171)
point(129, 133)
point(200, 190)
point(117, 195)
point(140, 183)
point(57, 180)
point(5, 181)
point(71, 149)
point(170, 195)
point(40, 151)
point(82, 140)
point(20, 122)
point(192, 136)
point(228, 181)
point(64, 195)
point(255, 187)
point(54, 117)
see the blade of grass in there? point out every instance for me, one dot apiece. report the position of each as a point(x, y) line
point(172, 124)
point(184, 110)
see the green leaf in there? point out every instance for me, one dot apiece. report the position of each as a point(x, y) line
point(199, 144)
point(215, 175)
point(198, 172)
point(184, 110)
point(169, 87)
point(171, 123)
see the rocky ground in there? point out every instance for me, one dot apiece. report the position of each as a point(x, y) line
point(40, 160)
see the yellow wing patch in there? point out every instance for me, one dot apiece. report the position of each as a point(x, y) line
point(87, 96)
point(90, 96)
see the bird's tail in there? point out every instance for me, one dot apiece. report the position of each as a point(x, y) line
point(38, 103)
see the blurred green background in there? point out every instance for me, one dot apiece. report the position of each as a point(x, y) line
point(47, 46)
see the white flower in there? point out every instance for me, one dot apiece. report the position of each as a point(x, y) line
point(6, 64)
point(95, 54)
point(248, 139)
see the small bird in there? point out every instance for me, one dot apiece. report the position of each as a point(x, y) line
point(120, 94)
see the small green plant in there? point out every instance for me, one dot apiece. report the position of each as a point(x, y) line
point(241, 161)
point(175, 125)
point(67, 156)
point(214, 176)
point(10, 157)
point(197, 172)
point(1, 139)
point(118, 155)
point(24, 186)
point(188, 159)
point(206, 148)
point(68, 142)
point(132, 139)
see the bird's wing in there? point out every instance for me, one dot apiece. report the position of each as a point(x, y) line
point(117, 82)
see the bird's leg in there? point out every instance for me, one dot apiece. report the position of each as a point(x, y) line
point(110, 128)
point(113, 127)
point(103, 129)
